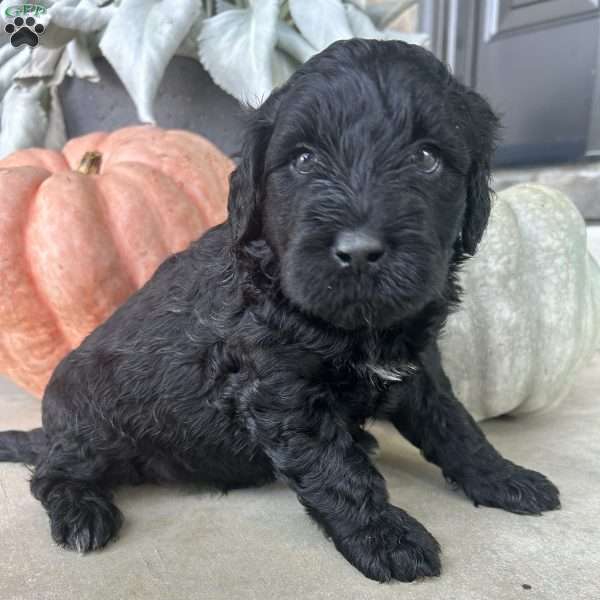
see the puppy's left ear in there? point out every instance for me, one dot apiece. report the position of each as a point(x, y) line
point(483, 127)
point(247, 180)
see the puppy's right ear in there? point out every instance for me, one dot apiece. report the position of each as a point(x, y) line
point(483, 128)
point(247, 180)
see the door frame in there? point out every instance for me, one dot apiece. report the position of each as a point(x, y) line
point(455, 27)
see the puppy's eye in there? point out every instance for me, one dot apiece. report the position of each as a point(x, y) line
point(304, 162)
point(426, 159)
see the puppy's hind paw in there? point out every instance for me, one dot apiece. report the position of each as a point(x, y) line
point(515, 489)
point(85, 524)
point(395, 547)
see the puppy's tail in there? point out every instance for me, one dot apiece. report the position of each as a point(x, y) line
point(22, 446)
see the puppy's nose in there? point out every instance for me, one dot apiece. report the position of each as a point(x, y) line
point(357, 249)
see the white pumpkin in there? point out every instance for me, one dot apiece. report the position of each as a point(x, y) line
point(530, 316)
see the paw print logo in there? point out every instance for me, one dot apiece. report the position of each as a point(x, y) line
point(24, 31)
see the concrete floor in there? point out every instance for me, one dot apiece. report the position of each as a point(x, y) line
point(181, 543)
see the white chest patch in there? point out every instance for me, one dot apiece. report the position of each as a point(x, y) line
point(393, 373)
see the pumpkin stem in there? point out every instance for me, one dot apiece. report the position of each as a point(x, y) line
point(90, 163)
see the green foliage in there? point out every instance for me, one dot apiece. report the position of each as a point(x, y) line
point(247, 46)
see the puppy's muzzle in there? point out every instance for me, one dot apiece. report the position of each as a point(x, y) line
point(357, 250)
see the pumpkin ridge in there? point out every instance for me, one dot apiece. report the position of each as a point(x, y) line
point(481, 338)
point(30, 274)
point(196, 191)
point(212, 170)
point(102, 205)
point(49, 160)
point(124, 173)
point(594, 268)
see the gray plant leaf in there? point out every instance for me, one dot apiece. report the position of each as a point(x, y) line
point(420, 39)
point(80, 61)
point(49, 64)
point(24, 120)
point(293, 43)
point(362, 4)
point(7, 51)
point(223, 5)
point(84, 17)
point(42, 63)
point(321, 22)
point(189, 46)
point(56, 133)
point(363, 27)
point(140, 42)
point(67, 3)
point(384, 12)
point(236, 48)
point(61, 70)
point(65, 18)
point(56, 36)
point(283, 65)
point(10, 64)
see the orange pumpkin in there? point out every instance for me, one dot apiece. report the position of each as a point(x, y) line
point(79, 237)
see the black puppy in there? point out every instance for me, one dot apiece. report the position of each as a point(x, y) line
point(260, 352)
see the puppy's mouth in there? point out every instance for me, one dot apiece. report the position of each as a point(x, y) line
point(372, 298)
point(355, 316)
point(350, 302)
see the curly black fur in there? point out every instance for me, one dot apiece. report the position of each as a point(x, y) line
point(256, 354)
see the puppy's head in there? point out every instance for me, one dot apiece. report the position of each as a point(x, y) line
point(367, 175)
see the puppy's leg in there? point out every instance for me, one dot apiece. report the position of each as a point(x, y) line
point(68, 481)
point(313, 451)
point(437, 423)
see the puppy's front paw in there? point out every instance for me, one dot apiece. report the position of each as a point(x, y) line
point(515, 489)
point(396, 546)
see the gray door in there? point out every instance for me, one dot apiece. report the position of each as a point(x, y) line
point(536, 61)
